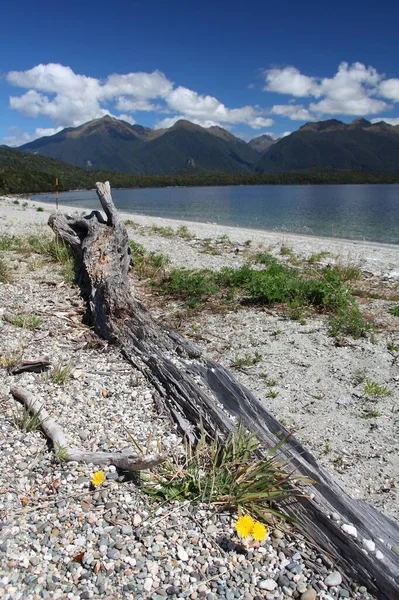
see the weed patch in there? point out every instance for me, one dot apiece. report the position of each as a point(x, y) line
point(228, 473)
point(372, 388)
point(25, 321)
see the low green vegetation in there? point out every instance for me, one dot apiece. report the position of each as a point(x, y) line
point(27, 421)
point(393, 347)
point(61, 373)
point(228, 473)
point(394, 311)
point(26, 321)
point(300, 290)
point(371, 414)
point(247, 360)
point(45, 246)
point(148, 264)
point(372, 388)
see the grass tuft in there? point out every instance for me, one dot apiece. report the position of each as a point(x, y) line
point(25, 321)
point(394, 311)
point(61, 373)
point(228, 473)
point(372, 388)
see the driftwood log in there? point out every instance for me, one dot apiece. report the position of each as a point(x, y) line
point(192, 389)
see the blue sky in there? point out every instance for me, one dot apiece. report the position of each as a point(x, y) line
point(252, 67)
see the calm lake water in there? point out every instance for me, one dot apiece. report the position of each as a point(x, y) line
point(369, 212)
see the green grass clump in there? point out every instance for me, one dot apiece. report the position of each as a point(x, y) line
point(372, 388)
point(61, 373)
point(25, 321)
point(190, 285)
point(247, 360)
point(26, 421)
point(228, 473)
point(163, 231)
point(371, 414)
point(183, 232)
point(318, 256)
point(394, 311)
point(147, 264)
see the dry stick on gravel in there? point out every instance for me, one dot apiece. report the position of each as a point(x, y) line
point(194, 390)
point(126, 462)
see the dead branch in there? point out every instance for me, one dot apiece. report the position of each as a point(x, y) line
point(126, 462)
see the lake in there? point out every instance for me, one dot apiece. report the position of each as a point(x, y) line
point(361, 212)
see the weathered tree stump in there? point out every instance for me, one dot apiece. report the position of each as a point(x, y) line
point(194, 389)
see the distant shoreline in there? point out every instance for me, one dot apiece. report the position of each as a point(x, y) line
point(376, 256)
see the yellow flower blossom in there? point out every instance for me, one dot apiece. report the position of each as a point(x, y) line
point(98, 478)
point(259, 532)
point(244, 526)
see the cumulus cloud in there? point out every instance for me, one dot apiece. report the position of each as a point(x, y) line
point(207, 108)
point(295, 112)
point(390, 89)
point(290, 81)
point(18, 138)
point(68, 99)
point(354, 90)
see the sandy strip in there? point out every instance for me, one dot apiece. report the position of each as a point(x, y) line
point(375, 257)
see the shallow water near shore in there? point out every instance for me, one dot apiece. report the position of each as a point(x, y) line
point(358, 212)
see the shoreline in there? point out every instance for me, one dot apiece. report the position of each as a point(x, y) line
point(375, 256)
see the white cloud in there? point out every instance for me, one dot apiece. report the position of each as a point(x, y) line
point(69, 99)
point(390, 89)
point(19, 138)
point(290, 81)
point(389, 120)
point(127, 118)
point(140, 85)
point(170, 121)
point(292, 111)
point(353, 90)
point(207, 108)
point(350, 92)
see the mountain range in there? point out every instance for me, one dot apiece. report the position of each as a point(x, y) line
point(115, 145)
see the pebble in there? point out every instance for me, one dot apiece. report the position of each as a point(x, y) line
point(267, 584)
point(181, 553)
point(310, 594)
point(334, 579)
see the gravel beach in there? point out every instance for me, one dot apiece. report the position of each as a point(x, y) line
point(59, 538)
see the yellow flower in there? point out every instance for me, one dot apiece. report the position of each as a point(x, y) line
point(259, 532)
point(98, 478)
point(244, 526)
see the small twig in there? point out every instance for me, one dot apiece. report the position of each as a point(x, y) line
point(126, 462)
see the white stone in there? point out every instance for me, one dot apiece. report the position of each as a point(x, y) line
point(379, 555)
point(349, 529)
point(148, 584)
point(267, 584)
point(181, 553)
point(136, 520)
point(369, 545)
